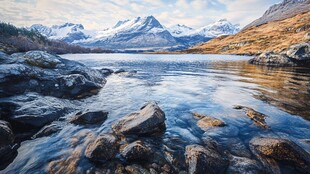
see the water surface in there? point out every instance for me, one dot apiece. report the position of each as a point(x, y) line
point(181, 84)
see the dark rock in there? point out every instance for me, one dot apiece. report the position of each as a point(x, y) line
point(244, 165)
point(300, 52)
point(136, 169)
point(119, 71)
point(273, 150)
point(272, 59)
point(257, 117)
point(104, 148)
point(94, 117)
point(201, 160)
point(6, 134)
point(47, 130)
point(206, 122)
point(136, 151)
point(38, 71)
point(150, 119)
point(106, 71)
point(7, 155)
point(34, 111)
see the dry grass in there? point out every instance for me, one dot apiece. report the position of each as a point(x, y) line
point(274, 36)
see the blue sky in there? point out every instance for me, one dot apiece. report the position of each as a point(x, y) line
point(100, 14)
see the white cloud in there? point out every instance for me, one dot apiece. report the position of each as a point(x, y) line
point(99, 14)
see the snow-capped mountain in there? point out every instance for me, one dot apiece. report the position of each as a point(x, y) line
point(137, 33)
point(67, 32)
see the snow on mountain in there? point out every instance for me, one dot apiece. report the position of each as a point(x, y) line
point(67, 32)
point(180, 30)
point(216, 29)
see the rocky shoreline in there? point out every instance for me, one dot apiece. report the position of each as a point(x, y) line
point(36, 87)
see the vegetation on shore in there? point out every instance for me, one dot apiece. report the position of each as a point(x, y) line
point(13, 39)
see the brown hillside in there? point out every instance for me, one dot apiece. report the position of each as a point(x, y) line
point(274, 36)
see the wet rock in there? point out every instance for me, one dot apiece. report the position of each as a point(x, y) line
point(136, 169)
point(272, 59)
point(244, 165)
point(47, 131)
point(257, 117)
point(300, 52)
point(206, 122)
point(6, 134)
point(125, 73)
point(38, 71)
point(236, 147)
point(273, 150)
point(136, 151)
point(106, 71)
point(201, 160)
point(34, 111)
point(93, 117)
point(103, 148)
point(150, 119)
point(119, 71)
point(7, 155)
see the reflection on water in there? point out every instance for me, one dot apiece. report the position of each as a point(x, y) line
point(181, 84)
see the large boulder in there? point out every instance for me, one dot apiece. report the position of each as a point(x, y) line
point(136, 151)
point(150, 119)
point(33, 110)
point(103, 148)
point(204, 160)
point(273, 150)
point(272, 59)
point(93, 117)
point(6, 134)
point(300, 52)
point(38, 71)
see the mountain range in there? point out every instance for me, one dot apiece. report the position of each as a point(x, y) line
point(138, 33)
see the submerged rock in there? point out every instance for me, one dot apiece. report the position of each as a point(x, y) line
point(150, 119)
point(257, 117)
point(244, 165)
point(273, 150)
point(204, 160)
point(206, 122)
point(47, 130)
point(93, 117)
point(103, 148)
point(38, 71)
point(136, 151)
point(6, 134)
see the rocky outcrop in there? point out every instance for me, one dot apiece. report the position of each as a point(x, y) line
point(204, 160)
point(103, 148)
point(47, 130)
point(6, 134)
point(257, 117)
point(38, 71)
point(296, 55)
point(206, 122)
point(273, 150)
point(93, 117)
point(136, 151)
point(149, 120)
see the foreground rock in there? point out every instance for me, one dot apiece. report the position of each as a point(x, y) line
point(47, 130)
point(6, 134)
point(38, 71)
point(206, 122)
point(257, 117)
point(136, 151)
point(273, 150)
point(104, 148)
point(296, 55)
point(94, 117)
point(33, 110)
point(201, 160)
point(244, 165)
point(7, 155)
point(149, 120)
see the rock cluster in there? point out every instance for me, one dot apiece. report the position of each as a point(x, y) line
point(296, 55)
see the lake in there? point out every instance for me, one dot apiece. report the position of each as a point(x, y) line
point(180, 84)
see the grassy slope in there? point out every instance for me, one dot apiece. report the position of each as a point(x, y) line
point(274, 36)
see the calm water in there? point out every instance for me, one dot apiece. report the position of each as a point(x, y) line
point(181, 84)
